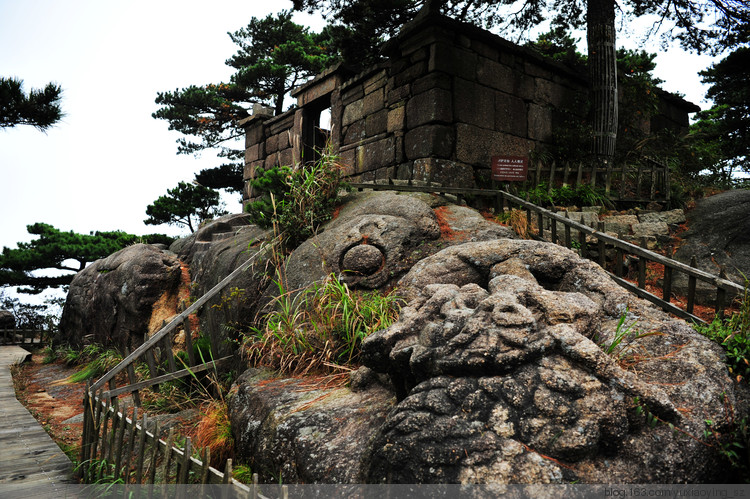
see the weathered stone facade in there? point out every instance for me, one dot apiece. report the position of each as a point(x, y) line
point(448, 98)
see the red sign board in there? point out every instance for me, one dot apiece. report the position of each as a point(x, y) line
point(509, 168)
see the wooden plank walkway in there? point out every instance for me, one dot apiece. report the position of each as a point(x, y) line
point(31, 463)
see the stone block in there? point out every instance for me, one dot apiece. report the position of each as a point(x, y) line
point(255, 134)
point(495, 75)
point(354, 133)
point(252, 153)
point(432, 80)
point(429, 107)
point(394, 95)
point(539, 123)
point(429, 141)
point(272, 144)
point(404, 171)
point(444, 172)
point(671, 217)
point(485, 51)
point(284, 140)
point(411, 73)
point(535, 70)
point(376, 123)
point(396, 119)
point(474, 104)
point(620, 224)
point(510, 114)
point(382, 175)
point(375, 82)
point(378, 154)
point(353, 112)
point(348, 162)
point(285, 157)
point(352, 94)
point(453, 60)
point(476, 146)
point(373, 102)
point(650, 229)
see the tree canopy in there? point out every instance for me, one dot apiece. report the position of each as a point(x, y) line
point(275, 55)
point(65, 251)
point(727, 123)
point(187, 205)
point(39, 108)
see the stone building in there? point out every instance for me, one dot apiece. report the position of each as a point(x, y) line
point(448, 98)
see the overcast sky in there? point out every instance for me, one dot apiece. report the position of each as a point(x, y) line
point(108, 158)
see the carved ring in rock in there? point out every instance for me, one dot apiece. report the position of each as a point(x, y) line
point(363, 260)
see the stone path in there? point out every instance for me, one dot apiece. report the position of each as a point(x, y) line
point(31, 463)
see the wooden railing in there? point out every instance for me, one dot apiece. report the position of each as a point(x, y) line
point(22, 336)
point(120, 449)
point(645, 180)
point(100, 445)
point(502, 199)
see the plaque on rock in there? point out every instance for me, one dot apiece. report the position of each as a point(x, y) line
point(509, 168)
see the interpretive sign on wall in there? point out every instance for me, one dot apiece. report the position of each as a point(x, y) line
point(509, 168)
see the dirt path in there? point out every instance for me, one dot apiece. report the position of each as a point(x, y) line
point(56, 403)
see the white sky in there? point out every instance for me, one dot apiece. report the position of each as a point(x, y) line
point(108, 158)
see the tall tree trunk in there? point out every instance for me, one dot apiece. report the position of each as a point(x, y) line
point(603, 75)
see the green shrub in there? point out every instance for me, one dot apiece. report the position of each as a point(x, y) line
point(295, 201)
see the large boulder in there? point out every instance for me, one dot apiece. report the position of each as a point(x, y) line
point(299, 430)
point(113, 300)
point(378, 236)
point(213, 252)
point(719, 237)
point(512, 365)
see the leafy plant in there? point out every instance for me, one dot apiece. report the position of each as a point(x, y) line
point(297, 200)
point(319, 328)
point(214, 431)
point(733, 334)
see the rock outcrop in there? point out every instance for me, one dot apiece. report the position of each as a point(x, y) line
point(111, 302)
point(718, 236)
point(303, 431)
point(378, 236)
point(213, 252)
point(500, 366)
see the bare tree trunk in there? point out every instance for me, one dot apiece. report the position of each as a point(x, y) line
point(603, 75)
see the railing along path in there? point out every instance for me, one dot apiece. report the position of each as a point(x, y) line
point(503, 199)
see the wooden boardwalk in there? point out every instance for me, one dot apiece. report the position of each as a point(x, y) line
point(31, 463)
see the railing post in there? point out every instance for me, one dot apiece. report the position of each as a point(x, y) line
point(667, 295)
point(567, 231)
point(602, 246)
point(691, 287)
point(721, 295)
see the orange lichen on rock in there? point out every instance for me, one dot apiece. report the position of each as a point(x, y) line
point(446, 232)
